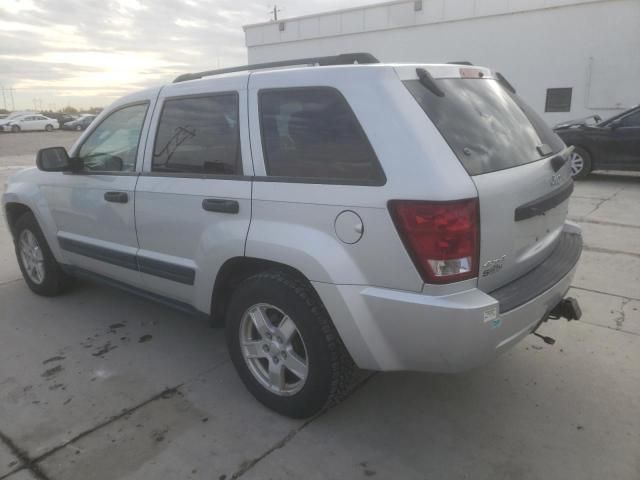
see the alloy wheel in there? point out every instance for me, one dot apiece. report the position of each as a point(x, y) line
point(273, 349)
point(32, 257)
point(577, 164)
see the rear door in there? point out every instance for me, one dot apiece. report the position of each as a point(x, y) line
point(193, 199)
point(508, 151)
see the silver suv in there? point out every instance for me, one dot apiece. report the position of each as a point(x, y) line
point(390, 217)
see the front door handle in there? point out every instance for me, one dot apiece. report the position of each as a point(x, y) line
point(222, 206)
point(116, 197)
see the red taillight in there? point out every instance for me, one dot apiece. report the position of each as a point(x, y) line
point(442, 237)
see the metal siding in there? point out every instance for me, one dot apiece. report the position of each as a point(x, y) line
point(427, 38)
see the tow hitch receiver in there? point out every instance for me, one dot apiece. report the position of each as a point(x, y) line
point(567, 308)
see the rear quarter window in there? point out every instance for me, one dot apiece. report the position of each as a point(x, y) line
point(487, 127)
point(311, 133)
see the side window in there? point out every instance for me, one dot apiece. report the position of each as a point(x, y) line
point(312, 133)
point(113, 146)
point(632, 120)
point(199, 135)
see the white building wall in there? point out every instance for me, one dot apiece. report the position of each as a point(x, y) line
point(592, 46)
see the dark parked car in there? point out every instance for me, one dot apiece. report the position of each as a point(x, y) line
point(612, 144)
point(61, 117)
point(80, 123)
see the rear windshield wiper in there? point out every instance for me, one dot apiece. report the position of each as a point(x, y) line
point(544, 149)
point(428, 82)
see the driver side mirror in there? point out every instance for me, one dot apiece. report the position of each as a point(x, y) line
point(56, 159)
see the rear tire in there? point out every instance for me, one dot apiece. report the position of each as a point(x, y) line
point(580, 163)
point(40, 270)
point(78, 127)
point(297, 333)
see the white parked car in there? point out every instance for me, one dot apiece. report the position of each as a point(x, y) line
point(395, 217)
point(31, 122)
point(13, 116)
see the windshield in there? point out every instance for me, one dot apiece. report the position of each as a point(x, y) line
point(487, 127)
point(617, 115)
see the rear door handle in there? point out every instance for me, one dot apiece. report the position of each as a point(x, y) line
point(222, 206)
point(116, 197)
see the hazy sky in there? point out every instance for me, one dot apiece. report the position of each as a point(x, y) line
point(89, 52)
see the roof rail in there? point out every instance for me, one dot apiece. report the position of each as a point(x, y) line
point(462, 62)
point(342, 59)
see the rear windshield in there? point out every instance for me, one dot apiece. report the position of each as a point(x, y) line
point(488, 127)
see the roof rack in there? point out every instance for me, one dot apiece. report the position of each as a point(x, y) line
point(342, 59)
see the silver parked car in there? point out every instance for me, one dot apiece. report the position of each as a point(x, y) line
point(391, 217)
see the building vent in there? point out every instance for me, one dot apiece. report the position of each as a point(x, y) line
point(417, 5)
point(558, 100)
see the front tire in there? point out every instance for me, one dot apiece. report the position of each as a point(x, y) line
point(78, 128)
point(15, 128)
point(49, 128)
point(580, 163)
point(40, 270)
point(284, 346)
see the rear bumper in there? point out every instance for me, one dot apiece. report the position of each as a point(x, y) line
point(395, 330)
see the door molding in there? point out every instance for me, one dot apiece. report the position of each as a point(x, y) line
point(155, 267)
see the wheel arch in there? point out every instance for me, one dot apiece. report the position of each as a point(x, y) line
point(586, 148)
point(237, 269)
point(13, 211)
point(23, 196)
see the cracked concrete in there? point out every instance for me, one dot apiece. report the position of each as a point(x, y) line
point(22, 475)
point(609, 311)
point(546, 412)
point(173, 407)
point(9, 462)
